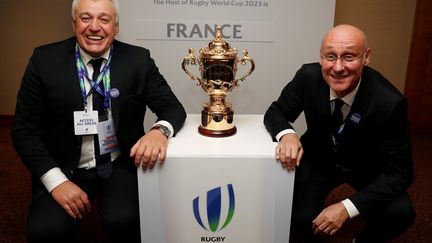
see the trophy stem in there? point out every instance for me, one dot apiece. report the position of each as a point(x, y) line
point(217, 117)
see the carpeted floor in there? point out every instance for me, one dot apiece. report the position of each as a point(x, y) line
point(15, 196)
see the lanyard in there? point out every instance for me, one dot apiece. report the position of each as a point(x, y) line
point(104, 77)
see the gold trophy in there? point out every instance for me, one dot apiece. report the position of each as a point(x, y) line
point(218, 68)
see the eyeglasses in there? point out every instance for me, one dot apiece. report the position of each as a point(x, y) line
point(345, 59)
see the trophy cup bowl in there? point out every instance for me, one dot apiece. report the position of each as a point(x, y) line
point(218, 68)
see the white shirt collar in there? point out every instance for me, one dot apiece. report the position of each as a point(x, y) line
point(86, 57)
point(349, 98)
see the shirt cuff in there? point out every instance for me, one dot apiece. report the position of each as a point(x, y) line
point(166, 124)
point(351, 209)
point(53, 178)
point(284, 132)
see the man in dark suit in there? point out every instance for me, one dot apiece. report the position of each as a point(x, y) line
point(78, 126)
point(357, 133)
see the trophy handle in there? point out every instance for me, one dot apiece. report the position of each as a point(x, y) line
point(190, 59)
point(243, 62)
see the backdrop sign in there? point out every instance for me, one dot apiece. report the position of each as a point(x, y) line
point(280, 36)
point(203, 30)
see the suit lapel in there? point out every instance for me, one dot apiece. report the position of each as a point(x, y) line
point(115, 71)
point(73, 82)
point(324, 107)
point(358, 109)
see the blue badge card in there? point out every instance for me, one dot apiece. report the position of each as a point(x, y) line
point(107, 137)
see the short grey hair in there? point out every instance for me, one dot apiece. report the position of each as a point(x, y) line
point(114, 2)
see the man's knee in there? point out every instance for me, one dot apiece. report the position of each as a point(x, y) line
point(301, 222)
point(400, 213)
point(392, 221)
point(120, 219)
point(47, 220)
point(122, 226)
point(43, 230)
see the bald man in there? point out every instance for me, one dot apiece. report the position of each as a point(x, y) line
point(357, 133)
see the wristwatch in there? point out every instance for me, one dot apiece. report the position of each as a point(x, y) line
point(163, 129)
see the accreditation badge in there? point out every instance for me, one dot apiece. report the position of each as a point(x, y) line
point(85, 122)
point(107, 137)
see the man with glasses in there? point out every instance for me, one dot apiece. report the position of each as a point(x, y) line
point(357, 133)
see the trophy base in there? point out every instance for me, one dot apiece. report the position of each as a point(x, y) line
point(217, 124)
point(217, 133)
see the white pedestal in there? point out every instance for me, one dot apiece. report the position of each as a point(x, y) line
point(236, 184)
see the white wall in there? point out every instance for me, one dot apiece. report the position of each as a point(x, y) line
point(279, 36)
point(388, 24)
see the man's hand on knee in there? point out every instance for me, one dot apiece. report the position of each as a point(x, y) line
point(330, 220)
point(72, 199)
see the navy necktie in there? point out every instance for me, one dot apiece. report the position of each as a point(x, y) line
point(98, 99)
point(103, 162)
point(337, 117)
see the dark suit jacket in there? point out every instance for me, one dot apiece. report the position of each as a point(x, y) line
point(43, 130)
point(375, 143)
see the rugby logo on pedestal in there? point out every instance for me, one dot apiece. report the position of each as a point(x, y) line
point(215, 209)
